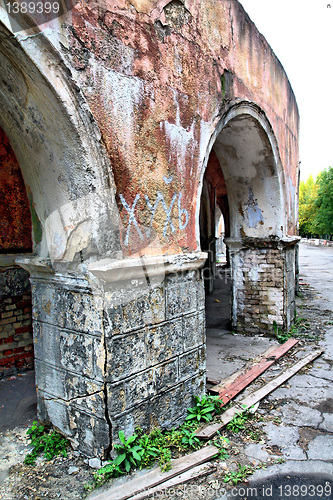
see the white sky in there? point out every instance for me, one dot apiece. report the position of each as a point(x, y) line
point(300, 33)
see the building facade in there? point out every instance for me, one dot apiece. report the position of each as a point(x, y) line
point(126, 124)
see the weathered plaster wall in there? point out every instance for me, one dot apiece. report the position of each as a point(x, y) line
point(169, 71)
point(158, 77)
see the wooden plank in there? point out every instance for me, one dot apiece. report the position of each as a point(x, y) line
point(243, 379)
point(209, 431)
point(185, 477)
point(229, 380)
point(155, 477)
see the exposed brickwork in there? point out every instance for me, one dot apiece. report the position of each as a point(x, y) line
point(15, 220)
point(264, 285)
point(16, 343)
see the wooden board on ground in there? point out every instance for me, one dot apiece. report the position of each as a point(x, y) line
point(156, 476)
point(209, 431)
point(185, 477)
point(228, 389)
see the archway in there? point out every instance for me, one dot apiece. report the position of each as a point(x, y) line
point(71, 193)
point(245, 156)
point(16, 343)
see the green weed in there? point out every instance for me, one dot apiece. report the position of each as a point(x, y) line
point(204, 408)
point(189, 439)
point(51, 443)
point(222, 443)
point(238, 476)
point(238, 422)
point(298, 329)
point(129, 453)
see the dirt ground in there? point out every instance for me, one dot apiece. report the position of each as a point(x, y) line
point(65, 478)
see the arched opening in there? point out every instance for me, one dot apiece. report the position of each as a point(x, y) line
point(214, 227)
point(16, 343)
point(70, 189)
point(245, 161)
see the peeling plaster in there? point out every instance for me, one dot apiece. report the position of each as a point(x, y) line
point(252, 212)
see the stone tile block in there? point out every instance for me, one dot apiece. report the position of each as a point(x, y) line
point(146, 309)
point(181, 299)
point(164, 342)
point(131, 392)
point(166, 375)
point(126, 355)
point(189, 364)
point(113, 315)
point(71, 351)
point(63, 385)
point(63, 307)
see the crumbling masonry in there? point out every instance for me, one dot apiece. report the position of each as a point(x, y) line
point(124, 125)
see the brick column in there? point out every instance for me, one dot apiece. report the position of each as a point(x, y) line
point(263, 283)
point(16, 345)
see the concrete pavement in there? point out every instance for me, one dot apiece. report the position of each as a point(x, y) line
point(303, 406)
point(297, 417)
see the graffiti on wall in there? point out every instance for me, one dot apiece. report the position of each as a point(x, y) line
point(183, 216)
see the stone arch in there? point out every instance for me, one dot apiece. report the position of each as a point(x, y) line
point(261, 130)
point(71, 191)
point(59, 150)
point(248, 154)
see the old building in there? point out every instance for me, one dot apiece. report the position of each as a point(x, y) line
point(124, 125)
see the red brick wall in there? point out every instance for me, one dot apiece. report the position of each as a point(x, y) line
point(16, 344)
point(15, 218)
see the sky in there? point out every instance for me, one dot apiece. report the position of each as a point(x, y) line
point(300, 33)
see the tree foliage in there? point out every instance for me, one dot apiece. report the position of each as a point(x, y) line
point(316, 205)
point(324, 202)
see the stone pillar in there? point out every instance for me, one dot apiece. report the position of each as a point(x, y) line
point(121, 348)
point(154, 312)
point(263, 283)
point(69, 349)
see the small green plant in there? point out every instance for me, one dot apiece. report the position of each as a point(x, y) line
point(297, 329)
point(203, 409)
point(189, 439)
point(222, 443)
point(129, 452)
point(51, 443)
point(150, 452)
point(280, 335)
point(238, 476)
point(238, 422)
